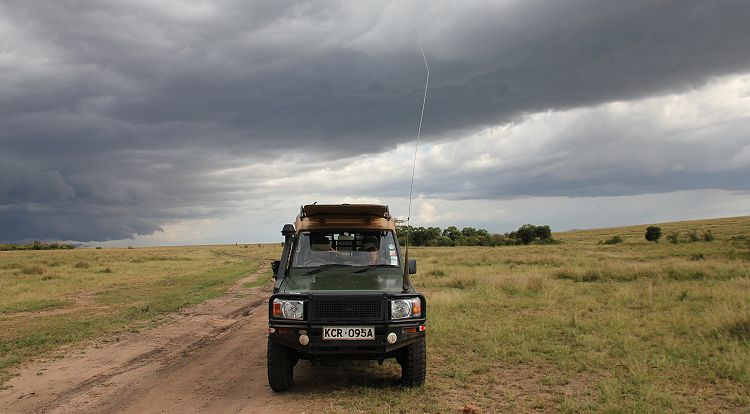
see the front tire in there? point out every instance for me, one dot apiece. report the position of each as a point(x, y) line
point(281, 363)
point(414, 363)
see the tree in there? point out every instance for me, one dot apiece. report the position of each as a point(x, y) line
point(469, 232)
point(544, 233)
point(526, 233)
point(453, 233)
point(653, 233)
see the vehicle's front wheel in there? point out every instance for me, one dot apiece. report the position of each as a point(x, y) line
point(281, 362)
point(414, 363)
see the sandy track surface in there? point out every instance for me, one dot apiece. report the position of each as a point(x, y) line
point(208, 358)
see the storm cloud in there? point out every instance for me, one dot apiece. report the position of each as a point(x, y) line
point(118, 118)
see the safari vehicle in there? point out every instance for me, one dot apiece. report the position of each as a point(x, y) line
point(342, 292)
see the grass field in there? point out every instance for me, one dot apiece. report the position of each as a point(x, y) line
point(583, 327)
point(57, 297)
point(573, 327)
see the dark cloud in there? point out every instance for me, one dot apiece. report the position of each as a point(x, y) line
point(119, 112)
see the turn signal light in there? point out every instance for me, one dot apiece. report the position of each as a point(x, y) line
point(416, 308)
point(276, 308)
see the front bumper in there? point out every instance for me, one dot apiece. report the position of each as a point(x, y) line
point(288, 334)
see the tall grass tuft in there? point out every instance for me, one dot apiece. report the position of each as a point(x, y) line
point(436, 273)
point(739, 329)
point(462, 283)
point(32, 270)
point(535, 284)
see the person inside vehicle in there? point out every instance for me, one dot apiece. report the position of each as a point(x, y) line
point(320, 243)
point(371, 245)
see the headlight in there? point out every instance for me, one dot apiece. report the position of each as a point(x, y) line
point(405, 308)
point(288, 309)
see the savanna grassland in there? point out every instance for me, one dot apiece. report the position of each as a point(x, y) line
point(51, 298)
point(578, 326)
point(584, 327)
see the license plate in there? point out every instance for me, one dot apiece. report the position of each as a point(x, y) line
point(348, 333)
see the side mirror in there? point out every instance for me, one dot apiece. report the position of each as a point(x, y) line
point(275, 267)
point(412, 266)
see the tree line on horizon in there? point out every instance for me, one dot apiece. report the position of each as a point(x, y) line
point(470, 236)
point(37, 245)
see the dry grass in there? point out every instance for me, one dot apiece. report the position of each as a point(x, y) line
point(55, 297)
point(575, 327)
point(583, 327)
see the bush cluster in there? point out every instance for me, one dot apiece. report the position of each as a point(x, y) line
point(653, 233)
point(37, 245)
point(612, 240)
point(469, 236)
point(690, 236)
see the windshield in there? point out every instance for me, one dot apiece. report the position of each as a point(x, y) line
point(351, 248)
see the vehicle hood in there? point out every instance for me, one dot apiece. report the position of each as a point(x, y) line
point(338, 280)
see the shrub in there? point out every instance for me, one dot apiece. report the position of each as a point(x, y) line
point(673, 237)
point(693, 236)
point(708, 236)
point(81, 265)
point(529, 233)
point(653, 233)
point(613, 240)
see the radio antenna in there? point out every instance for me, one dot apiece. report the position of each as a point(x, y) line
point(405, 285)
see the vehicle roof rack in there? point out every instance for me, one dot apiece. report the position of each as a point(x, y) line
point(345, 210)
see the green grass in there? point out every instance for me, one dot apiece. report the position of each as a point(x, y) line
point(264, 280)
point(74, 295)
point(34, 305)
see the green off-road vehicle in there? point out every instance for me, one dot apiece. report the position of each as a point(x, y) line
point(342, 292)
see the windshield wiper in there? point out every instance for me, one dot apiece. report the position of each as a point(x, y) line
point(370, 267)
point(323, 267)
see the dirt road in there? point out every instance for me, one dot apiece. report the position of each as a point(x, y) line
point(208, 358)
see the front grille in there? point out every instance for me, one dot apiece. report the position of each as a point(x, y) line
point(347, 308)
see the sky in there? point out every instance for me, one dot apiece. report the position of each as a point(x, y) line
point(189, 122)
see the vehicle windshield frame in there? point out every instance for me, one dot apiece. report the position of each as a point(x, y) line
point(347, 247)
